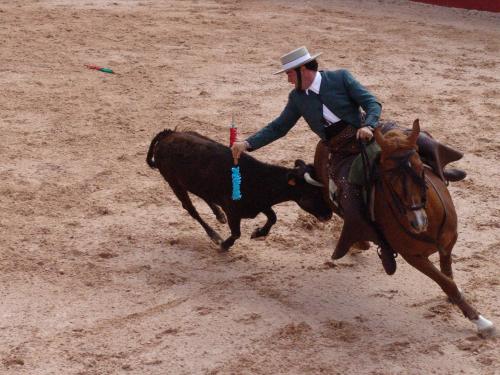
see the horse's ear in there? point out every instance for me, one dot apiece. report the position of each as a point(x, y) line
point(415, 132)
point(379, 137)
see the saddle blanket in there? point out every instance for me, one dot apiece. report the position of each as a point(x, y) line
point(356, 172)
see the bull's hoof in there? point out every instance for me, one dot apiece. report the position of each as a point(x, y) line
point(224, 249)
point(221, 218)
point(225, 246)
point(259, 232)
point(216, 239)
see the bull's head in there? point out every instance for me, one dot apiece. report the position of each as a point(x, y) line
point(307, 191)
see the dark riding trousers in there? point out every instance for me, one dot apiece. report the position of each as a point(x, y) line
point(344, 148)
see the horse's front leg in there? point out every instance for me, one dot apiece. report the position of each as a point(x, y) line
point(445, 255)
point(423, 264)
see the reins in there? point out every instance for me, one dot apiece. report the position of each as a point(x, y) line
point(366, 169)
point(423, 182)
point(368, 175)
point(405, 167)
point(445, 212)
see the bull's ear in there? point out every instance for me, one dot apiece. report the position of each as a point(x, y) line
point(300, 163)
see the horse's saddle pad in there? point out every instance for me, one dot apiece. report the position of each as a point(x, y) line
point(356, 172)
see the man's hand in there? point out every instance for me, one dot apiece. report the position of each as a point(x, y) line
point(238, 148)
point(365, 133)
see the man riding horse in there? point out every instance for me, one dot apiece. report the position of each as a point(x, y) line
point(330, 103)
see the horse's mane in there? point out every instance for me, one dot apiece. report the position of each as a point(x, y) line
point(396, 139)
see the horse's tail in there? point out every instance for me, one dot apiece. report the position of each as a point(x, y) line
point(152, 148)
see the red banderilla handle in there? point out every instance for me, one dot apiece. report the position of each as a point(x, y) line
point(233, 134)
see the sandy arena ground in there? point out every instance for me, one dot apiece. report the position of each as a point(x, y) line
point(103, 272)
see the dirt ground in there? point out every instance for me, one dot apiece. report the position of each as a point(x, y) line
point(103, 272)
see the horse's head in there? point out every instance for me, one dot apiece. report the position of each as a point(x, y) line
point(403, 175)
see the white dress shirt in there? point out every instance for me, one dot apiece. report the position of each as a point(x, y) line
point(327, 114)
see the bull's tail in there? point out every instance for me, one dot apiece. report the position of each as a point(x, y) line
point(152, 148)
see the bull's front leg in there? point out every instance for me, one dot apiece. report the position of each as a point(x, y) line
point(264, 231)
point(219, 215)
point(234, 224)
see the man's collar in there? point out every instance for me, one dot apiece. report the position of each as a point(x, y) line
point(315, 85)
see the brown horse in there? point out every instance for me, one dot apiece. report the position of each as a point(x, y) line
point(414, 210)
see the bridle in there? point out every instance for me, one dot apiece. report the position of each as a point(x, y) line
point(404, 169)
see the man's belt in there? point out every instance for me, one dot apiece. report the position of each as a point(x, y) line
point(334, 129)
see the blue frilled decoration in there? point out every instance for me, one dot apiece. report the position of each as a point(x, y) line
point(236, 178)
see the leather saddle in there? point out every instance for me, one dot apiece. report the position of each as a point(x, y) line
point(432, 152)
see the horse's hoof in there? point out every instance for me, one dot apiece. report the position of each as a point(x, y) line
point(485, 328)
point(488, 332)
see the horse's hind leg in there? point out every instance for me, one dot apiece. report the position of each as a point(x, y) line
point(424, 265)
point(188, 206)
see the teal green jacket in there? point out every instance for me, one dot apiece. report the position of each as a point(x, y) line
point(339, 91)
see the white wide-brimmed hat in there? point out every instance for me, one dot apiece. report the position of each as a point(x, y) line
point(296, 58)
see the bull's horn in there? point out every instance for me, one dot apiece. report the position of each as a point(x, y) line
point(415, 132)
point(311, 180)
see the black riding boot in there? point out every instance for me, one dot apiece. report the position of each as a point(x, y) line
point(438, 155)
point(433, 153)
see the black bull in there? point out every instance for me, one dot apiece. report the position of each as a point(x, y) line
point(192, 163)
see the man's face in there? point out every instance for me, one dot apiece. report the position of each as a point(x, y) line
point(306, 75)
point(292, 76)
